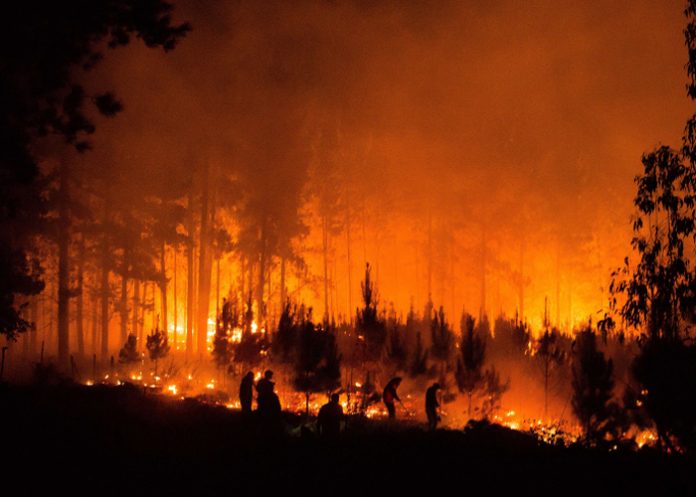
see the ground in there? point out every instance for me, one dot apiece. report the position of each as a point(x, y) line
point(107, 440)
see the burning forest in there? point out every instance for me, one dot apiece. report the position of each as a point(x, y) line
point(290, 242)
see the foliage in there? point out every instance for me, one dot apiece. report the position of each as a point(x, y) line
point(469, 373)
point(370, 325)
point(42, 46)
point(593, 386)
point(129, 352)
point(317, 361)
point(157, 344)
point(492, 392)
point(418, 365)
point(442, 338)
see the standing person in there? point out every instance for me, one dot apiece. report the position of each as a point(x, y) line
point(329, 418)
point(389, 395)
point(264, 389)
point(431, 405)
point(246, 392)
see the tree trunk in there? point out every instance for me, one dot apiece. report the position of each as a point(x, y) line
point(189, 282)
point(205, 263)
point(63, 269)
point(95, 323)
point(80, 298)
point(283, 292)
point(136, 306)
point(163, 289)
point(123, 307)
point(261, 282)
point(350, 267)
point(104, 290)
point(176, 306)
point(325, 253)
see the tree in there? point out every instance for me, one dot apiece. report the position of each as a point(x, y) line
point(593, 386)
point(657, 295)
point(129, 352)
point(442, 343)
point(397, 352)
point(44, 44)
point(157, 345)
point(371, 327)
point(469, 373)
point(550, 355)
point(492, 390)
point(317, 361)
point(418, 365)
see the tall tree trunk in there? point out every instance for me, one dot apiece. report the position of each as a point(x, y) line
point(521, 282)
point(261, 282)
point(430, 256)
point(349, 267)
point(95, 322)
point(190, 282)
point(325, 253)
point(135, 326)
point(176, 304)
point(123, 307)
point(104, 291)
point(217, 288)
point(80, 297)
point(163, 289)
point(482, 308)
point(205, 262)
point(64, 269)
point(283, 292)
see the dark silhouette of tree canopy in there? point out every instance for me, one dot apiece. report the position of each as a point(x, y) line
point(370, 325)
point(442, 340)
point(657, 295)
point(129, 352)
point(43, 46)
point(317, 361)
point(157, 345)
point(593, 386)
point(469, 373)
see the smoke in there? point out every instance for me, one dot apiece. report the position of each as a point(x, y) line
point(463, 128)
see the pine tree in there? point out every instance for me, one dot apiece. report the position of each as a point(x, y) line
point(129, 352)
point(593, 386)
point(469, 373)
point(157, 346)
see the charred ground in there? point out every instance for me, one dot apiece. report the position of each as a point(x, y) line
point(108, 440)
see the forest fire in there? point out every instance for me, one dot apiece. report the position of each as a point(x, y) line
point(377, 241)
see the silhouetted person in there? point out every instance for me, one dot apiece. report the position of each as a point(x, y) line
point(431, 405)
point(389, 396)
point(246, 392)
point(264, 389)
point(329, 418)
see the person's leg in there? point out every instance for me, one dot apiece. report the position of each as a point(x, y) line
point(392, 410)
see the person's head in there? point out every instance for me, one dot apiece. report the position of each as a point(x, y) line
point(397, 381)
point(436, 386)
point(249, 375)
point(268, 374)
point(334, 398)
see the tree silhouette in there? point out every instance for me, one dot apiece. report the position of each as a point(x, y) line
point(157, 345)
point(657, 295)
point(469, 373)
point(129, 352)
point(371, 327)
point(418, 365)
point(442, 341)
point(318, 363)
point(549, 355)
point(593, 386)
point(44, 47)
